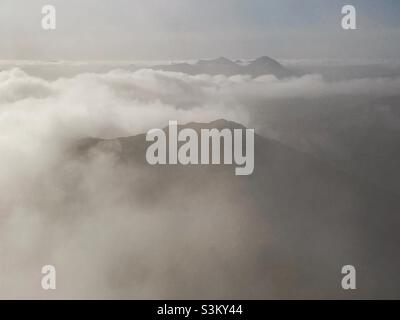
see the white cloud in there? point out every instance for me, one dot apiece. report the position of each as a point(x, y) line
point(54, 209)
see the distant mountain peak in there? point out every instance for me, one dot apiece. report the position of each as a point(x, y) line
point(223, 123)
point(265, 59)
point(223, 60)
point(224, 66)
point(216, 124)
point(219, 61)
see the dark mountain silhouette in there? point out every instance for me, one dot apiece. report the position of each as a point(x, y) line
point(224, 66)
point(319, 218)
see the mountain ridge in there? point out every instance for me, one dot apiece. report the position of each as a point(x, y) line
point(301, 198)
point(260, 66)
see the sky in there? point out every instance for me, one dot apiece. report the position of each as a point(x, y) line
point(191, 29)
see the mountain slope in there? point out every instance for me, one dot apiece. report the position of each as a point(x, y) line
point(299, 221)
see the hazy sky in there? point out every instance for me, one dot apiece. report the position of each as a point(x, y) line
point(186, 29)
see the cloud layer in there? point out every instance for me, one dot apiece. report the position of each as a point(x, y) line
point(93, 221)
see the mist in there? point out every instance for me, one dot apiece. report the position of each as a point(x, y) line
point(115, 230)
